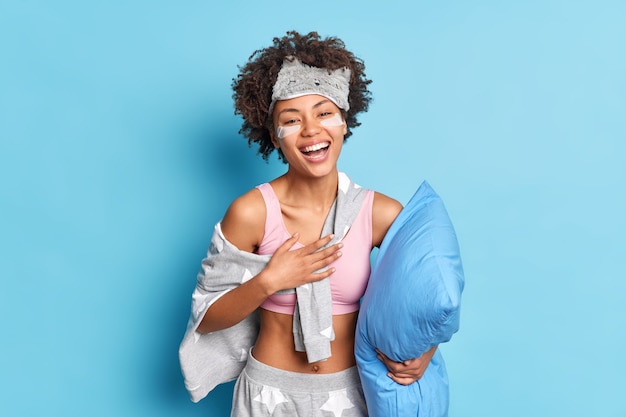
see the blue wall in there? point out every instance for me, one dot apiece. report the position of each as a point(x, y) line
point(119, 151)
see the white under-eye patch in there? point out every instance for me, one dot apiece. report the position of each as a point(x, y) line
point(336, 120)
point(284, 131)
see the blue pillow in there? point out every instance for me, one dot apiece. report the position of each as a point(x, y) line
point(412, 303)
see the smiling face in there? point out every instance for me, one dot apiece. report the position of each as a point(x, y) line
point(309, 130)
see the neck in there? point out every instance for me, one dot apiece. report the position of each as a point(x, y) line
point(313, 192)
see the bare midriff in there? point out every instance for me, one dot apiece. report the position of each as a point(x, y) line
point(275, 346)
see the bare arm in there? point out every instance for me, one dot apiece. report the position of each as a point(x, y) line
point(243, 226)
point(384, 212)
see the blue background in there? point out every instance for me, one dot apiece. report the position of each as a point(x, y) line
point(119, 151)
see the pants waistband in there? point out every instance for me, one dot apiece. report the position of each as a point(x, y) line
point(297, 381)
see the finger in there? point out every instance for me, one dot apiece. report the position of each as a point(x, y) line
point(390, 364)
point(381, 357)
point(326, 252)
point(288, 244)
point(381, 354)
point(395, 367)
point(401, 381)
point(412, 363)
point(406, 374)
point(322, 260)
point(318, 276)
point(385, 356)
point(319, 243)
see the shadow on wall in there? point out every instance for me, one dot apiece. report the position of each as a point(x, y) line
point(222, 167)
point(230, 167)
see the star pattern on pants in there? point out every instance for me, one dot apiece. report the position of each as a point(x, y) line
point(271, 397)
point(337, 402)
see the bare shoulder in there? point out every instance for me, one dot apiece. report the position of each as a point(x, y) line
point(384, 211)
point(244, 222)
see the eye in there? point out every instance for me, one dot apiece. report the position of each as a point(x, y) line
point(289, 122)
point(326, 114)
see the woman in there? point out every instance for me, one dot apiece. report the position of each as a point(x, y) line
point(301, 97)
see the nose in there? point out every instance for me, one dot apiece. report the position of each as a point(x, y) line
point(311, 127)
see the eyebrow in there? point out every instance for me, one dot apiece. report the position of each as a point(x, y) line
point(294, 110)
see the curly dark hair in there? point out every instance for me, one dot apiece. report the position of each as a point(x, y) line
point(253, 86)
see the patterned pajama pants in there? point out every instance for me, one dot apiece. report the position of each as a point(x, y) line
point(263, 391)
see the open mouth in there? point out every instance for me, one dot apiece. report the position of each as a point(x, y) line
point(315, 151)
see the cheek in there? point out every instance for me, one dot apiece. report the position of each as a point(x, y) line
point(287, 143)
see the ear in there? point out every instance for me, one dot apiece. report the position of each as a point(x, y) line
point(345, 123)
point(274, 140)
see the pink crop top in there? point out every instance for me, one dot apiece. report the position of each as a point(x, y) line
point(352, 273)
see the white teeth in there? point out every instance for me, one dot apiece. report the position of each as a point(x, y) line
point(315, 147)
